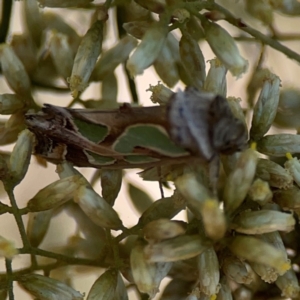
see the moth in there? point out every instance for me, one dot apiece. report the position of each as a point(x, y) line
point(194, 125)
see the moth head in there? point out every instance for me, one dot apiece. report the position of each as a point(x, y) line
point(229, 135)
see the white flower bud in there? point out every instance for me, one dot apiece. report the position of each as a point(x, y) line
point(86, 57)
point(20, 156)
point(111, 58)
point(46, 288)
point(255, 250)
point(148, 50)
point(225, 48)
point(14, 71)
point(180, 247)
point(240, 180)
point(263, 221)
point(215, 81)
point(96, 208)
point(265, 108)
point(7, 248)
point(209, 272)
point(61, 53)
point(55, 194)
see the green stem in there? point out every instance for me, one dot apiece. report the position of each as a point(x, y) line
point(9, 277)
point(18, 216)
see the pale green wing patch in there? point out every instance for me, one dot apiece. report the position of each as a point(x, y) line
point(93, 132)
point(149, 136)
point(98, 160)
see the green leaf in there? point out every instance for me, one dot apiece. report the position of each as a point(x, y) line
point(149, 136)
point(140, 200)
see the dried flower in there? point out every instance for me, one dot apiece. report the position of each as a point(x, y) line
point(260, 191)
point(288, 284)
point(160, 93)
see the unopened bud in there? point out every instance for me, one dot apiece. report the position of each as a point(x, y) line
point(49, 288)
point(148, 50)
point(162, 229)
point(180, 247)
point(55, 194)
point(240, 180)
point(7, 248)
point(228, 54)
point(209, 272)
point(192, 60)
point(86, 57)
point(263, 221)
point(10, 104)
point(20, 156)
point(265, 108)
point(279, 144)
point(96, 208)
point(202, 205)
point(14, 71)
point(256, 250)
point(111, 58)
point(274, 174)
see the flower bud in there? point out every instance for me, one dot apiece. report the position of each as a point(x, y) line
point(148, 50)
point(236, 109)
point(14, 71)
point(279, 144)
point(288, 284)
point(235, 268)
point(261, 10)
point(274, 174)
point(266, 107)
point(228, 52)
point(255, 250)
point(202, 205)
point(192, 60)
point(105, 286)
point(260, 192)
point(209, 272)
point(288, 199)
point(86, 57)
point(166, 67)
point(160, 93)
point(55, 194)
point(240, 180)
point(111, 58)
point(20, 157)
point(180, 247)
point(111, 181)
point(262, 221)
point(37, 226)
point(61, 53)
point(96, 208)
point(162, 229)
point(43, 288)
point(215, 81)
point(10, 104)
point(143, 272)
point(7, 248)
